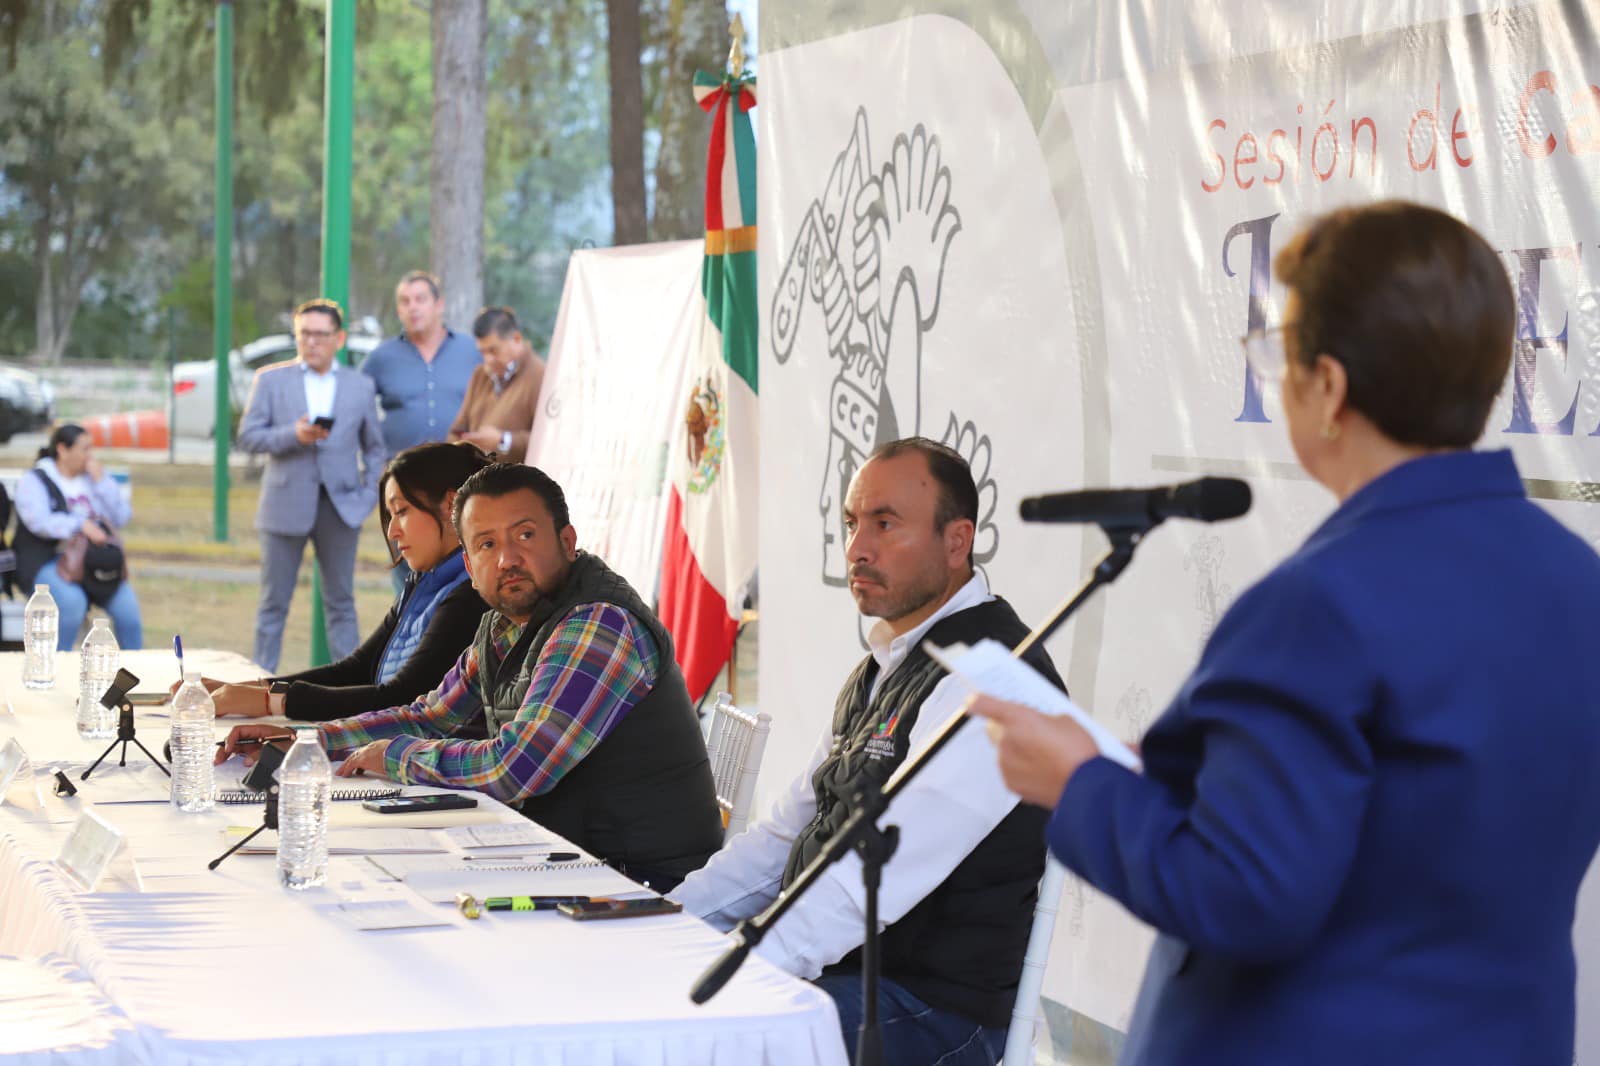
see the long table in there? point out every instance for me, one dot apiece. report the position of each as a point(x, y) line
point(227, 967)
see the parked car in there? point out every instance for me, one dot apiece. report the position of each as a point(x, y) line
point(27, 402)
point(194, 385)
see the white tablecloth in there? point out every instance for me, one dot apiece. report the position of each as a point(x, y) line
point(51, 1012)
point(226, 967)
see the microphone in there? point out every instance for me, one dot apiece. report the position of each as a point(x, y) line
point(1210, 499)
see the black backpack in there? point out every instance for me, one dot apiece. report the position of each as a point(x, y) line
point(8, 558)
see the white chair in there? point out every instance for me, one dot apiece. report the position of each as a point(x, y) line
point(1019, 1037)
point(735, 745)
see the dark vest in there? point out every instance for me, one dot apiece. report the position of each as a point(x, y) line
point(33, 551)
point(961, 948)
point(643, 798)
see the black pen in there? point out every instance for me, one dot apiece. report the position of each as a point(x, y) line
point(242, 741)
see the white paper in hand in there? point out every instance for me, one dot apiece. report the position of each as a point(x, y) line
point(989, 667)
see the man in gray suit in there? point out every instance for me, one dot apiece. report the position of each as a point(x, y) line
point(312, 418)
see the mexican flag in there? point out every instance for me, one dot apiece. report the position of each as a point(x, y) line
point(709, 556)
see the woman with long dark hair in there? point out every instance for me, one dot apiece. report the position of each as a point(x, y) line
point(431, 623)
point(68, 492)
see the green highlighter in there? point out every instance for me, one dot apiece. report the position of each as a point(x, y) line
point(472, 907)
point(529, 903)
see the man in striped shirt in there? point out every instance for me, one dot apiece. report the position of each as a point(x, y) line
point(590, 728)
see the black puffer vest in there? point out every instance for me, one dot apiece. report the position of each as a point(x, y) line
point(961, 948)
point(643, 798)
point(33, 551)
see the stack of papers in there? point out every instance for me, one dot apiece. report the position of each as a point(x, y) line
point(438, 878)
point(138, 782)
point(988, 667)
point(521, 834)
point(352, 841)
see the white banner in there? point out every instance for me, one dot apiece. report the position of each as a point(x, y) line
point(1088, 200)
point(611, 400)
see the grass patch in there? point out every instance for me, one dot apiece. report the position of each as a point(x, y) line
point(172, 528)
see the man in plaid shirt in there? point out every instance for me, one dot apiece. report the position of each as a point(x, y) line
point(590, 728)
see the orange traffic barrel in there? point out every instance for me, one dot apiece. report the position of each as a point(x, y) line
point(135, 429)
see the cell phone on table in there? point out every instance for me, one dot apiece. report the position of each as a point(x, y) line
point(443, 801)
point(149, 699)
point(619, 908)
point(325, 421)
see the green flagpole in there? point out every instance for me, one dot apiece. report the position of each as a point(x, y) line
point(222, 273)
point(338, 122)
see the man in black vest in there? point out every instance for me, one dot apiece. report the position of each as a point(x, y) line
point(959, 892)
point(591, 731)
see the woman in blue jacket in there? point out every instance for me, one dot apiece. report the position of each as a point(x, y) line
point(1363, 822)
point(431, 623)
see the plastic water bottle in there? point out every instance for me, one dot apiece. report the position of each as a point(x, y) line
point(40, 619)
point(193, 717)
point(305, 781)
point(98, 660)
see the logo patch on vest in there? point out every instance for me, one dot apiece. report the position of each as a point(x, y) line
point(881, 744)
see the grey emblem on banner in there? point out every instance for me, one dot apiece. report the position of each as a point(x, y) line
point(871, 253)
point(1204, 558)
point(1134, 712)
point(1077, 903)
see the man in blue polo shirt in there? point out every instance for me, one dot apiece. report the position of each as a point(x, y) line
point(421, 375)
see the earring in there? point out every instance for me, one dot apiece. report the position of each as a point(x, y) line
point(1330, 431)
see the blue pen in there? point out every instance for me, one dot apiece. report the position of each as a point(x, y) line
point(177, 649)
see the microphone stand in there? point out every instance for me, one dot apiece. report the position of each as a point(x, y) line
point(269, 820)
point(125, 736)
point(861, 833)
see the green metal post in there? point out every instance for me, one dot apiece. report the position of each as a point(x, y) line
point(338, 122)
point(172, 381)
point(222, 272)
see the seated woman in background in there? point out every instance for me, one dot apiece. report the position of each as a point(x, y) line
point(65, 493)
point(430, 624)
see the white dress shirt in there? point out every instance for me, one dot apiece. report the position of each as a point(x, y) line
point(946, 811)
point(320, 390)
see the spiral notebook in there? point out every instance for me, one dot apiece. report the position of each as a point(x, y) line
point(437, 878)
point(353, 842)
point(241, 795)
point(412, 866)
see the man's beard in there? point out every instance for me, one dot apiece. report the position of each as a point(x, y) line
point(891, 604)
point(519, 602)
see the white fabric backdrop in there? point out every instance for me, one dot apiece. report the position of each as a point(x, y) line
point(1083, 316)
point(614, 392)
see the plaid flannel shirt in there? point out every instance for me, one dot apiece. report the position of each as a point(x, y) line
point(598, 662)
